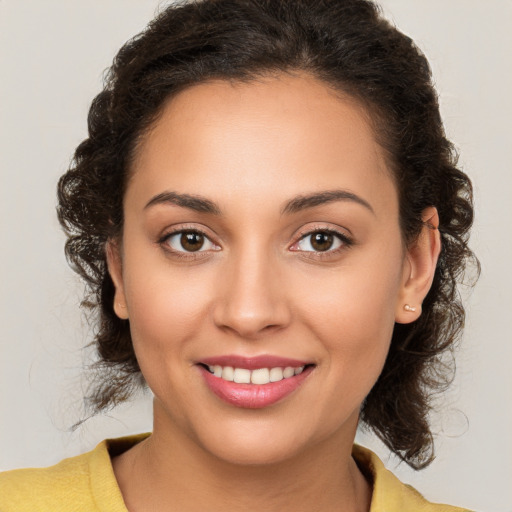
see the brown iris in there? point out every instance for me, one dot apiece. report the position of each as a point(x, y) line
point(322, 241)
point(191, 241)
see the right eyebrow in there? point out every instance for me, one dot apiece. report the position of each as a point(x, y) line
point(192, 202)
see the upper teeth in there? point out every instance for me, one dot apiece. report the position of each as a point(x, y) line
point(259, 376)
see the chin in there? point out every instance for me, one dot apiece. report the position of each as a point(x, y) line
point(255, 452)
point(261, 441)
point(251, 439)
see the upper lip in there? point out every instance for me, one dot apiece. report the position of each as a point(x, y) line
point(253, 363)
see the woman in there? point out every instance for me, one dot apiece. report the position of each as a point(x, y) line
point(271, 223)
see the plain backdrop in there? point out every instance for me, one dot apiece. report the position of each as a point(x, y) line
point(52, 56)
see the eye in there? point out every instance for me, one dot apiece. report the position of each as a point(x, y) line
point(321, 241)
point(189, 241)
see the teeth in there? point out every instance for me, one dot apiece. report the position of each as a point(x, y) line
point(242, 376)
point(276, 374)
point(258, 376)
point(288, 372)
point(228, 373)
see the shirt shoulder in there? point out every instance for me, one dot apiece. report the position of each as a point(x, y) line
point(389, 493)
point(56, 488)
point(85, 483)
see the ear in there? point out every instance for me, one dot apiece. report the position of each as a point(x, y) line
point(115, 269)
point(419, 268)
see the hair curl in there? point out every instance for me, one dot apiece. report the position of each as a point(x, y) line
point(352, 48)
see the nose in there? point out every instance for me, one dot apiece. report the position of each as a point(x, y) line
point(252, 297)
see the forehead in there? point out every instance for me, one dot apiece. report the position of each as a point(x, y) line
point(282, 135)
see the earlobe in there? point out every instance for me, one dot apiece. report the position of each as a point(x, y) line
point(419, 268)
point(115, 270)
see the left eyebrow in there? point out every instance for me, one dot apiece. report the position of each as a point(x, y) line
point(300, 203)
point(192, 202)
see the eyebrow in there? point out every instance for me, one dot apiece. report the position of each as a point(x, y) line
point(192, 202)
point(299, 203)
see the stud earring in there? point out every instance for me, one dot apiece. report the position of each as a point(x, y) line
point(411, 309)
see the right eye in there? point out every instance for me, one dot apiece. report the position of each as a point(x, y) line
point(189, 241)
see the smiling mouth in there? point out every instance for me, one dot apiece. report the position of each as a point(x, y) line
point(254, 382)
point(259, 376)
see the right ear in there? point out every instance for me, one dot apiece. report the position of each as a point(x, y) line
point(115, 269)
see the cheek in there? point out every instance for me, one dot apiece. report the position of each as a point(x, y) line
point(167, 309)
point(356, 333)
point(166, 318)
point(161, 310)
point(163, 299)
point(355, 337)
point(352, 312)
point(358, 297)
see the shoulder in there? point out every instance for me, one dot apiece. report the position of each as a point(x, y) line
point(59, 486)
point(389, 493)
point(85, 483)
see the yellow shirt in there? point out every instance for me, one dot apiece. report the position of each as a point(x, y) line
point(86, 483)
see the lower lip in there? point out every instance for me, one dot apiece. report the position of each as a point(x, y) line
point(253, 396)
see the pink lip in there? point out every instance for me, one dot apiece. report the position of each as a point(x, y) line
point(253, 396)
point(253, 363)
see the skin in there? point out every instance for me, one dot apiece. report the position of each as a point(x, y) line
point(259, 287)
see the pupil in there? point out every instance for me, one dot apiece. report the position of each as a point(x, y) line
point(322, 241)
point(192, 241)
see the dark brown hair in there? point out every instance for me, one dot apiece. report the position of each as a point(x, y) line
point(348, 45)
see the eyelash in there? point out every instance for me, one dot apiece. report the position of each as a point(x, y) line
point(185, 255)
point(346, 243)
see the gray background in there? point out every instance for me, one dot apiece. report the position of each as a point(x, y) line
point(52, 54)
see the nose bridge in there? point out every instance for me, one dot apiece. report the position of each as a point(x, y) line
point(252, 298)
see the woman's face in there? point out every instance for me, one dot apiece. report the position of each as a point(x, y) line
point(261, 232)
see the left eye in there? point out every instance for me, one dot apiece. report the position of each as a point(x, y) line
point(190, 241)
point(319, 241)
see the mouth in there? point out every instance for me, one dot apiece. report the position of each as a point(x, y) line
point(253, 383)
point(259, 376)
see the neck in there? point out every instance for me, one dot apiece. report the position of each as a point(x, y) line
point(170, 472)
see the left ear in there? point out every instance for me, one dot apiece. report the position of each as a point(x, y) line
point(419, 268)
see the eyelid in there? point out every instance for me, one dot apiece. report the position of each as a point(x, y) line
point(346, 240)
point(179, 234)
point(180, 229)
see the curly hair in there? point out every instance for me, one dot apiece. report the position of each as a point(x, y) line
point(349, 46)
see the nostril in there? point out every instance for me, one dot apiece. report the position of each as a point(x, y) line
point(273, 327)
